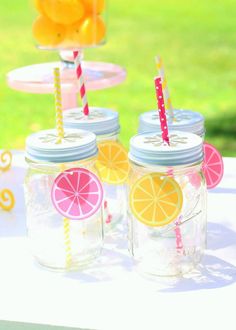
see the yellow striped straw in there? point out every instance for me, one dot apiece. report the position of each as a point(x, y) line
point(66, 224)
point(161, 73)
point(59, 117)
point(66, 228)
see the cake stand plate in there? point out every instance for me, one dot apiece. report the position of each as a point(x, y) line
point(38, 79)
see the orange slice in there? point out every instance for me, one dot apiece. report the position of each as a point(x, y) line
point(156, 199)
point(112, 163)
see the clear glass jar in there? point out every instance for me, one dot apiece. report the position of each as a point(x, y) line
point(182, 120)
point(176, 247)
point(69, 24)
point(105, 124)
point(58, 242)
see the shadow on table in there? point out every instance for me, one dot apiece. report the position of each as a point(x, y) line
point(211, 274)
point(115, 256)
point(13, 223)
point(221, 190)
point(219, 236)
point(6, 325)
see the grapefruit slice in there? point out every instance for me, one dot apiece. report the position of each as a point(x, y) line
point(113, 164)
point(213, 166)
point(77, 194)
point(156, 199)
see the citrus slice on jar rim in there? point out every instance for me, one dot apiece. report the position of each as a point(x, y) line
point(112, 163)
point(156, 199)
point(77, 194)
point(213, 166)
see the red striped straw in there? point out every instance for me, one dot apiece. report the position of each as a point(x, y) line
point(79, 73)
point(162, 110)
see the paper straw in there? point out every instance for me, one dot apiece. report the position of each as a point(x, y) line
point(60, 134)
point(66, 224)
point(79, 73)
point(178, 236)
point(66, 228)
point(59, 117)
point(162, 111)
point(161, 73)
point(108, 214)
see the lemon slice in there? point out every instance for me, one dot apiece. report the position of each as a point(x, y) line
point(112, 164)
point(156, 199)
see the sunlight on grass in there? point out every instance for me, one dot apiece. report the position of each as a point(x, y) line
point(196, 41)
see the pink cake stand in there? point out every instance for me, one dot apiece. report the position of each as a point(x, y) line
point(38, 78)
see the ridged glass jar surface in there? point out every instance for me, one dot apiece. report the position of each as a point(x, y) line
point(175, 248)
point(58, 243)
point(112, 164)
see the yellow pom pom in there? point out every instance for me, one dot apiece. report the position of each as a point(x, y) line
point(64, 11)
point(90, 31)
point(94, 6)
point(39, 6)
point(48, 33)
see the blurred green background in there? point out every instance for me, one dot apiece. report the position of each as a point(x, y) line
point(196, 39)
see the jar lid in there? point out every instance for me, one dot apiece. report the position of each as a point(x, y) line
point(100, 121)
point(76, 145)
point(148, 149)
point(184, 120)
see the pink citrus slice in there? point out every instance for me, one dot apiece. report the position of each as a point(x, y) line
point(77, 194)
point(213, 166)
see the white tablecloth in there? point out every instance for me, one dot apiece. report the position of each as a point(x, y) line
point(111, 295)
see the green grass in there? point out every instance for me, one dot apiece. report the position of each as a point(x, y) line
point(196, 39)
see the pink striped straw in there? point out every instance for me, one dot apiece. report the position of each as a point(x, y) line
point(162, 110)
point(79, 73)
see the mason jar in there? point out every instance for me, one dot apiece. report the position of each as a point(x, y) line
point(63, 196)
point(69, 24)
point(167, 203)
point(182, 120)
point(112, 164)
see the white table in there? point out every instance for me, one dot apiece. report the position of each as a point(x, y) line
point(110, 295)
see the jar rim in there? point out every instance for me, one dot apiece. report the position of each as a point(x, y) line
point(100, 121)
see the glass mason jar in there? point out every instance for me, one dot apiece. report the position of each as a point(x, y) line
point(63, 236)
point(69, 24)
point(105, 124)
point(182, 120)
point(167, 203)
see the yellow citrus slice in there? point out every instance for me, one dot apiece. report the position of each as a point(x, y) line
point(112, 163)
point(156, 199)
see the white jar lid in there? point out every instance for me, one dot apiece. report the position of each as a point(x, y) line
point(183, 120)
point(100, 121)
point(76, 145)
point(184, 149)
